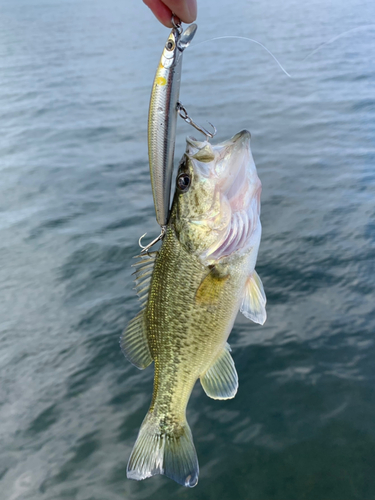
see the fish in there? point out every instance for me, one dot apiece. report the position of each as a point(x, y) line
point(162, 118)
point(191, 290)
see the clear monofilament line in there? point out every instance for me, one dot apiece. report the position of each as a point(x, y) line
point(251, 40)
point(320, 47)
point(358, 28)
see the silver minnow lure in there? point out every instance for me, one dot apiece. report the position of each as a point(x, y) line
point(162, 118)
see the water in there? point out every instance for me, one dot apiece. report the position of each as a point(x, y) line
point(75, 196)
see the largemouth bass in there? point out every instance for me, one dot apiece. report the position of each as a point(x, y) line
point(192, 289)
point(162, 118)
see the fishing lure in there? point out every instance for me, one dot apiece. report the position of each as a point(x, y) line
point(162, 117)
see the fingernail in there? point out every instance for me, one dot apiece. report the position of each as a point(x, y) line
point(192, 9)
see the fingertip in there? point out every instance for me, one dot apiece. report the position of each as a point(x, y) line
point(160, 11)
point(192, 11)
point(186, 10)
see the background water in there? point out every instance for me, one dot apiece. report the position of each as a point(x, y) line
point(75, 195)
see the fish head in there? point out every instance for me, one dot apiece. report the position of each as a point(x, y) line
point(216, 205)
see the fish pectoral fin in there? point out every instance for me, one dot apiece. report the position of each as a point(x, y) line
point(134, 342)
point(254, 301)
point(210, 290)
point(220, 381)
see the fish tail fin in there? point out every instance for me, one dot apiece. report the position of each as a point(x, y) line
point(171, 453)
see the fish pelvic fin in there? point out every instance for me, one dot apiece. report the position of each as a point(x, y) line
point(170, 452)
point(254, 300)
point(220, 381)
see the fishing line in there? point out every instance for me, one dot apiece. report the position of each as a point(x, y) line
point(251, 40)
point(365, 26)
point(320, 47)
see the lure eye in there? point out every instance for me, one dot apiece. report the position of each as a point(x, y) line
point(183, 182)
point(170, 45)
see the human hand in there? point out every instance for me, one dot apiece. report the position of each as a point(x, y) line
point(186, 10)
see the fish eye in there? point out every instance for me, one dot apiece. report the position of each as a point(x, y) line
point(183, 182)
point(169, 45)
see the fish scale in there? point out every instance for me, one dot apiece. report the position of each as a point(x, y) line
point(175, 341)
point(191, 290)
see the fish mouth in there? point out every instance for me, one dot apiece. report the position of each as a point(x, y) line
point(243, 136)
point(235, 218)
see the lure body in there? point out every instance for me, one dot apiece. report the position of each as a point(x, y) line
point(162, 118)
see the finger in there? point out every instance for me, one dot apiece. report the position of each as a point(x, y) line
point(161, 11)
point(186, 10)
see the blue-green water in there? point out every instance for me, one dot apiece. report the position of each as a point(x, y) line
point(75, 195)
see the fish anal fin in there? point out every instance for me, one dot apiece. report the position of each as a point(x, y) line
point(134, 342)
point(220, 381)
point(254, 300)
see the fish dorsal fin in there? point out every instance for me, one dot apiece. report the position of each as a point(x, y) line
point(220, 381)
point(143, 273)
point(254, 301)
point(134, 342)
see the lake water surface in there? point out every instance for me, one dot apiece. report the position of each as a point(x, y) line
point(75, 195)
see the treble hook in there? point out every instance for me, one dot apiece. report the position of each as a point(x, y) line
point(184, 115)
point(146, 248)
